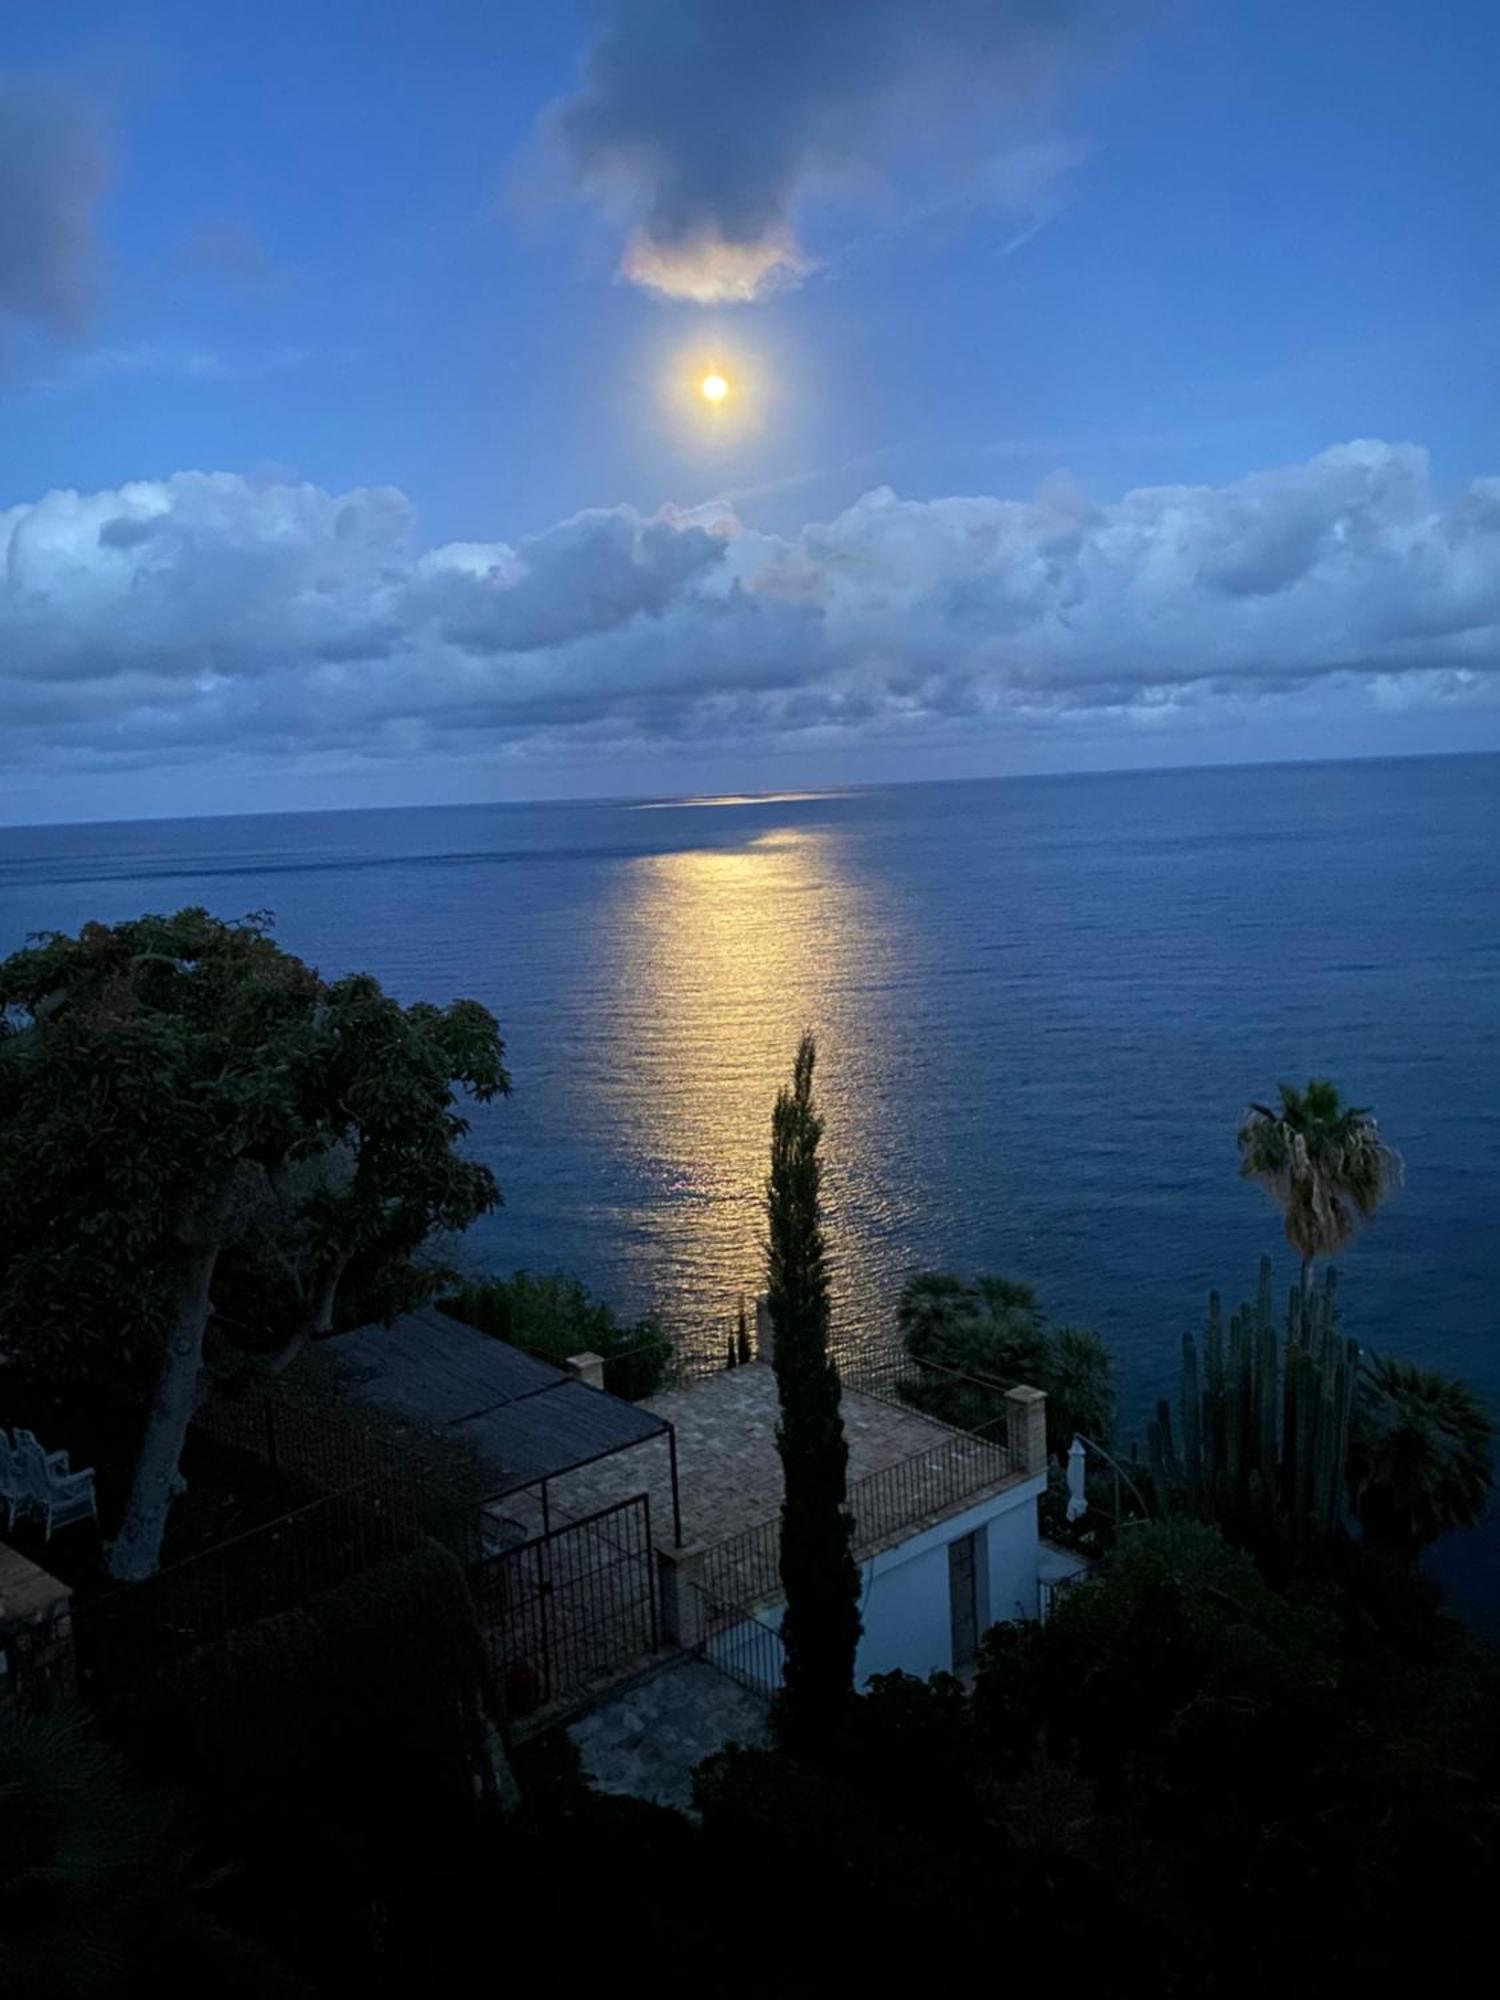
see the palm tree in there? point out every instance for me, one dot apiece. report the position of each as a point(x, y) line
point(1323, 1163)
point(931, 1305)
point(1419, 1459)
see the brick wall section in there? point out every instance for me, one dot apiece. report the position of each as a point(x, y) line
point(37, 1666)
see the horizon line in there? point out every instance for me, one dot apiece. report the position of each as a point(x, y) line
point(771, 795)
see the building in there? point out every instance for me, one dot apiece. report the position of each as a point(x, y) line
point(618, 1531)
point(945, 1534)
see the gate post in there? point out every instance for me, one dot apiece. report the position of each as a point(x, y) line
point(587, 1367)
point(1026, 1430)
point(680, 1573)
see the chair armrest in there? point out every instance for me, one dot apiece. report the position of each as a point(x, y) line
point(73, 1482)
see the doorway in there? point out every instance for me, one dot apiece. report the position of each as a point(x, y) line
point(964, 1565)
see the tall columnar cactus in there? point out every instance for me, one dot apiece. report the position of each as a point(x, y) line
point(1265, 1423)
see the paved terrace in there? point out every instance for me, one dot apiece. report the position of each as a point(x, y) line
point(729, 1472)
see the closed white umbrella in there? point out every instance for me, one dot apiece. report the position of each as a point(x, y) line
point(1077, 1501)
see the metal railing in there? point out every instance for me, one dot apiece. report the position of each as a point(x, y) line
point(139, 1630)
point(741, 1645)
point(745, 1569)
point(570, 1609)
point(947, 1395)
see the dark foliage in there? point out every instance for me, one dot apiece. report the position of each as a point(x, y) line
point(1185, 1780)
point(554, 1316)
point(821, 1625)
point(990, 1330)
point(335, 1753)
point(97, 1889)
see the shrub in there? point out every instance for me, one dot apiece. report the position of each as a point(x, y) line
point(554, 1316)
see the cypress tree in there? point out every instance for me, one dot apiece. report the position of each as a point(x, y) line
point(821, 1626)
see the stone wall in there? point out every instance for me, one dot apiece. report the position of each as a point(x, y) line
point(36, 1635)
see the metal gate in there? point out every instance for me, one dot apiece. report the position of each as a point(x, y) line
point(571, 1609)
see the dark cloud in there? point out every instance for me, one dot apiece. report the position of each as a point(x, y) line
point(51, 175)
point(207, 613)
point(706, 125)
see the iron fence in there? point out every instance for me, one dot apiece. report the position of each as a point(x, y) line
point(742, 1645)
point(572, 1608)
point(135, 1633)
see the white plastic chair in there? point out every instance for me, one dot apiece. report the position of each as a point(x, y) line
point(60, 1496)
point(57, 1461)
point(15, 1486)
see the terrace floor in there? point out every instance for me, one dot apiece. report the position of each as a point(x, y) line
point(729, 1471)
point(646, 1741)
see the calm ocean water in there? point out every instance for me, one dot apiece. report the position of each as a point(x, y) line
point(1041, 1005)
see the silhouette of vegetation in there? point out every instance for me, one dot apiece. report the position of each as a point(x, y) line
point(1289, 1438)
point(1323, 1163)
point(991, 1329)
point(1421, 1456)
point(167, 1087)
point(820, 1627)
point(555, 1316)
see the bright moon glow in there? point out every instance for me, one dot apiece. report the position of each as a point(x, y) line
point(715, 388)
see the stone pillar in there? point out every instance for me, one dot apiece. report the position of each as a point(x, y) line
point(765, 1331)
point(587, 1367)
point(37, 1666)
point(1026, 1430)
point(680, 1572)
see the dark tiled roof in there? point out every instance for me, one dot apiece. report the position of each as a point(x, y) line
point(527, 1419)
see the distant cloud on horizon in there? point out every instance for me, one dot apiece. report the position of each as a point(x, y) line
point(211, 615)
point(704, 134)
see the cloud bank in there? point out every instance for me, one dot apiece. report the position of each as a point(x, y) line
point(51, 176)
point(705, 129)
point(209, 615)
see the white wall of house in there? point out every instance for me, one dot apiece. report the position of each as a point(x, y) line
point(906, 1608)
point(907, 1612)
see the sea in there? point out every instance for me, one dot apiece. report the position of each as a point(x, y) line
point(1041, 1006)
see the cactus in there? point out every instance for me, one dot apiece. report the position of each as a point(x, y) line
point(1265, 1425)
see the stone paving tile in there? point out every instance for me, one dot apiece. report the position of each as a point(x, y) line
point(646, 1742)
point(729, 1473)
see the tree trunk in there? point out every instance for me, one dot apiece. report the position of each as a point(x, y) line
point(317, 1315)
point(136, 1550)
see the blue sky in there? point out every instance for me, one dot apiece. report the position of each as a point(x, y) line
point(1166, 338)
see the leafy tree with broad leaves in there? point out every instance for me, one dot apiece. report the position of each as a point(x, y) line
point(554, 1315)
point(821, 1625)
point(171, 1084)
point(1323, 1163)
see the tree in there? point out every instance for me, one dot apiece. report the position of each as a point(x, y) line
point(555, 1316)
point(1323, 1163)
point(1265, 1421)
point(162, 1084)
point(1420, 1457)
point(94, 1882)
point(821, 1625)
point(361, 1207)
point(981, 1336)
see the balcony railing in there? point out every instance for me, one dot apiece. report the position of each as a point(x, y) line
point(745, 1569)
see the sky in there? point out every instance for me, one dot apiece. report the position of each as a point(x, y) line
point(1112, 383)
